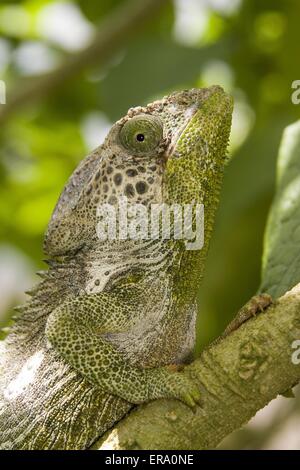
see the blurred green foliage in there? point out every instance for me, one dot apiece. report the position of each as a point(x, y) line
point(251, 47)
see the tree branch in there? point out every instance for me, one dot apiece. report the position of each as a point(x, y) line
point(113, 33)
point(238, 377)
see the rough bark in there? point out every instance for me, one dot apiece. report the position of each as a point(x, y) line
point(237, 377)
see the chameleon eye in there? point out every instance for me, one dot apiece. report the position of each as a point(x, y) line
point(142, 134)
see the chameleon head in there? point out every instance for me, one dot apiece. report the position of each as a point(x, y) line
point(171, 150)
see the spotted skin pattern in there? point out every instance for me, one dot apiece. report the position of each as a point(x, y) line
point(110, 316)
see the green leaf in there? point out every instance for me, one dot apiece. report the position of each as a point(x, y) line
point(281, 258)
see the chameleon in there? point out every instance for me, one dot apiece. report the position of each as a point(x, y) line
point(111, 324)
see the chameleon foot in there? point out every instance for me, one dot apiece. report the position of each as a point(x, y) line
point(257, 304)
point(177, 385)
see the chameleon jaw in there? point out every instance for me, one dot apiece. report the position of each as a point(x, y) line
point(199, 100)
point(199, 133)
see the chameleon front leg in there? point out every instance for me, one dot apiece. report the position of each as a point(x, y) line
point(77, 331)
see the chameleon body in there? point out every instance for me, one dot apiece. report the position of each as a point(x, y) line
point(109, 317)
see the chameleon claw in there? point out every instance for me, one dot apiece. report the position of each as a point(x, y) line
point(192, 396)
point(192, 399)
point(188, 400)
point(181, 386)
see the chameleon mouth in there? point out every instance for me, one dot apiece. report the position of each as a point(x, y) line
point(213, 101)
point(171, 150)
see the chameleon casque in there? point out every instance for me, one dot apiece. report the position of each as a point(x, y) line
point(111, 321)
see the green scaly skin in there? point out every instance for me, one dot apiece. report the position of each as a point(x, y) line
point(109, 317)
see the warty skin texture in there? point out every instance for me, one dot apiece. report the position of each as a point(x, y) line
point(109, 317)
